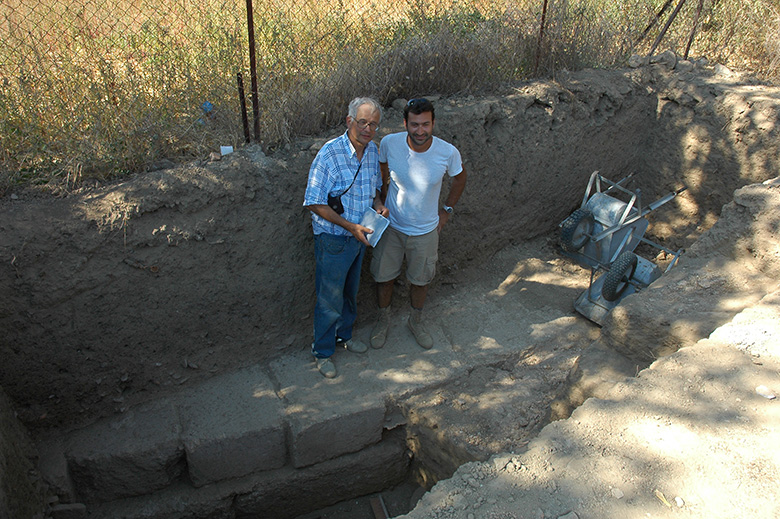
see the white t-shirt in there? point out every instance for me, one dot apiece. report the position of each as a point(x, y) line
point(415, 181)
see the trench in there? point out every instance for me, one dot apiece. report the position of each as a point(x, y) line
point(501, 402)
point(659, 132)
point(431, 458)
point(507, 344)
point(509, 327)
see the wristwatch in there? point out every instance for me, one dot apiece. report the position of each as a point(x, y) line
point(447, 208)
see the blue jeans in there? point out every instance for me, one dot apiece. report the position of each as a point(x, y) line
point(336, 280)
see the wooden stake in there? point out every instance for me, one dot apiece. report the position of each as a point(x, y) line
point(654, 21)
point(693, 29)
point(541, 36)
point(378, 506)
point(666, 27)
point(242, 100)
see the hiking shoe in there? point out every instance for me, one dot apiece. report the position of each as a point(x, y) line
point(417, 327)
point(379, 333)
point(353, 345)
point(326, 367)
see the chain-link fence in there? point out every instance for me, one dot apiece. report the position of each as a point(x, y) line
point(90, 87)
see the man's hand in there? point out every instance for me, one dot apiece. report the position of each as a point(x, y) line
point(359, 232)
point(456, 189)
point(381, 208)
point(444, 217)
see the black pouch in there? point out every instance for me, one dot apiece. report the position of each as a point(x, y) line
point(334, 202)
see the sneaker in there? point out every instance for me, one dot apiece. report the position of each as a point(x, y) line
point(417, 327)
point(353, 345)
point(379, 333)
point(326, 367)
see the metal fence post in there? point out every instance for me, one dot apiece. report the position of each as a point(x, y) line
point(250, 25)
point(541, 35)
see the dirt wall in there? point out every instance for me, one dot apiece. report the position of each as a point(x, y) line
point(115, 293)
point(21, 492)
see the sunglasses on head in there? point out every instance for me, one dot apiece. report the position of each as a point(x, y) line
point(414, 102)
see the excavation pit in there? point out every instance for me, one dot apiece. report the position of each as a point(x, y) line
point(126, 301)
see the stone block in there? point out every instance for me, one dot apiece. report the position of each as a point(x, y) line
point(178, 501)
point(133, 454)
point(289, 492)
point(233, 426)
point(320, 436)
point(327, 418)
point(279, 494)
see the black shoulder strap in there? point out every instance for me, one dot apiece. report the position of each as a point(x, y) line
point(360, 164)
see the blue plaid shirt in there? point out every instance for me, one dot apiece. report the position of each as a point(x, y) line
point(332, 172)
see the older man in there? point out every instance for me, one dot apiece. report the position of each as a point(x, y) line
point(344, 182)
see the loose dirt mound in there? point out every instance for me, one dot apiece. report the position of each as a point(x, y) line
point(117, 293)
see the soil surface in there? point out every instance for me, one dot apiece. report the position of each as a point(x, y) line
point(694, 434)
point(115, 294)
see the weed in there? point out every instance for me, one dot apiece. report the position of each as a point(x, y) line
point(100, 90)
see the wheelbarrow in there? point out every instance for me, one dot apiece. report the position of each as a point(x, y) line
point(602, 235)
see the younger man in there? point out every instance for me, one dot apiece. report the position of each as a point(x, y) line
point(413, 163)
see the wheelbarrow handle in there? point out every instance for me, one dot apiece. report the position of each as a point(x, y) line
point(661, 201)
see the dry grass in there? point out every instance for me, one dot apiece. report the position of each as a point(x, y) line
point(93, 89)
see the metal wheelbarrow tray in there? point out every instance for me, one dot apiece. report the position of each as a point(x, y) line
point(602, 235)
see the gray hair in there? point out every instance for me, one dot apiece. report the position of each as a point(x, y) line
point(360, 101)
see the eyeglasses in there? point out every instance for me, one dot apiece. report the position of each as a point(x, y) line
point(414, 102)
point(363, 124)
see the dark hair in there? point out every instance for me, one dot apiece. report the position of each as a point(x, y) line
point(418, 106)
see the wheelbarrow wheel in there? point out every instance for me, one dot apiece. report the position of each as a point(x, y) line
point(576, 230)
point(616, 281)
